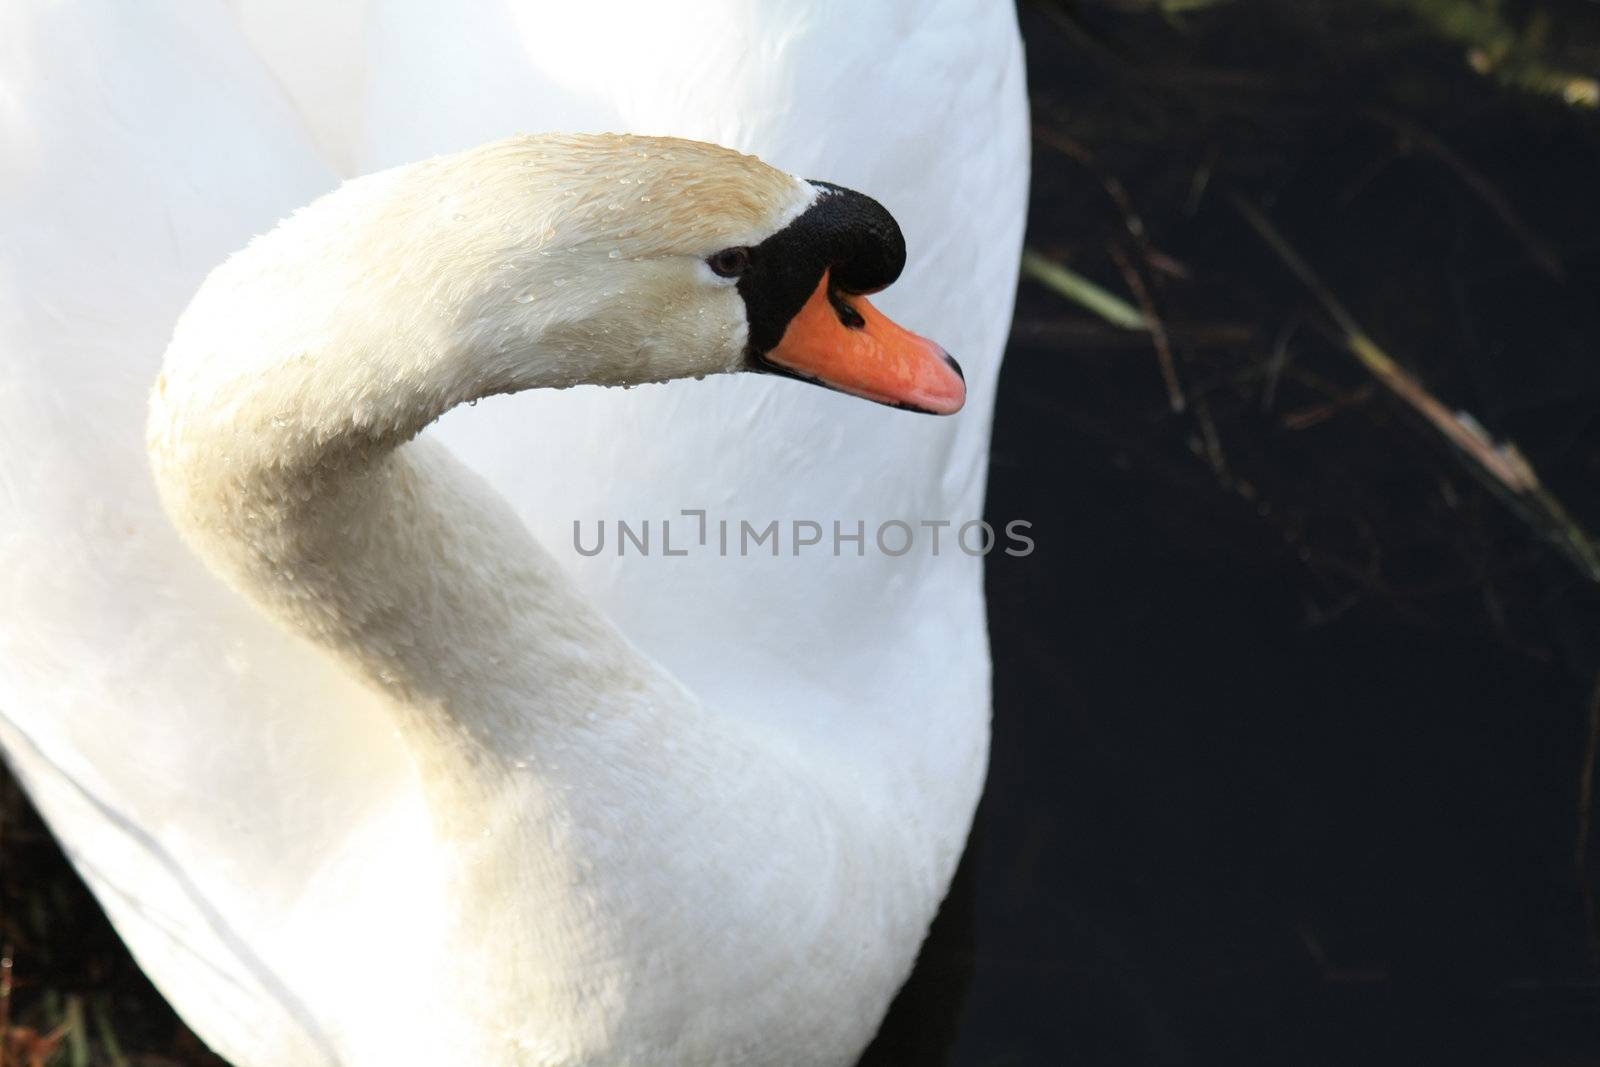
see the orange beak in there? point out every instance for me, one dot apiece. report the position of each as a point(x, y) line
point(845, 343)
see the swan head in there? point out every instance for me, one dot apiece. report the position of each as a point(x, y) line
point(635, 259)
point(537, 262)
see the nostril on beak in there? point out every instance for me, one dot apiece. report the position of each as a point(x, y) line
point(950, 361)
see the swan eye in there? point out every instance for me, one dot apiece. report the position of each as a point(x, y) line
point(730, 262)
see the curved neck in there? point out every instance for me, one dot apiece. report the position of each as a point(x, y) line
point(409, 567)
point(402, 563)
point(313, 497)
point(283, 439)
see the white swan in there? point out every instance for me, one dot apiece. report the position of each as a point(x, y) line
point(235, 799)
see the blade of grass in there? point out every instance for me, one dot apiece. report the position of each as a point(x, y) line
point(1081, 291)
point(1157, 329)
point(107, 1033)
point(1500, 466)
point(77, 1033)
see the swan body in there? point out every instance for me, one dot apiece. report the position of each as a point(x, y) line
point(338, 829)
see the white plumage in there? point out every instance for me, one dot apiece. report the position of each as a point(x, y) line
point(240, 804)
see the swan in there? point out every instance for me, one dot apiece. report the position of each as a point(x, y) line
point(318, 853)
point(586, 809)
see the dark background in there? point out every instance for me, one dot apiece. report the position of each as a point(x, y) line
point(1291, 709)
point(1295, 702)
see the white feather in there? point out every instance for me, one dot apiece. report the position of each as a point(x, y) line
point(241, 805)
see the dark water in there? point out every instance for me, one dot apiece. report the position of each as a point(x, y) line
point(1246, 808)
